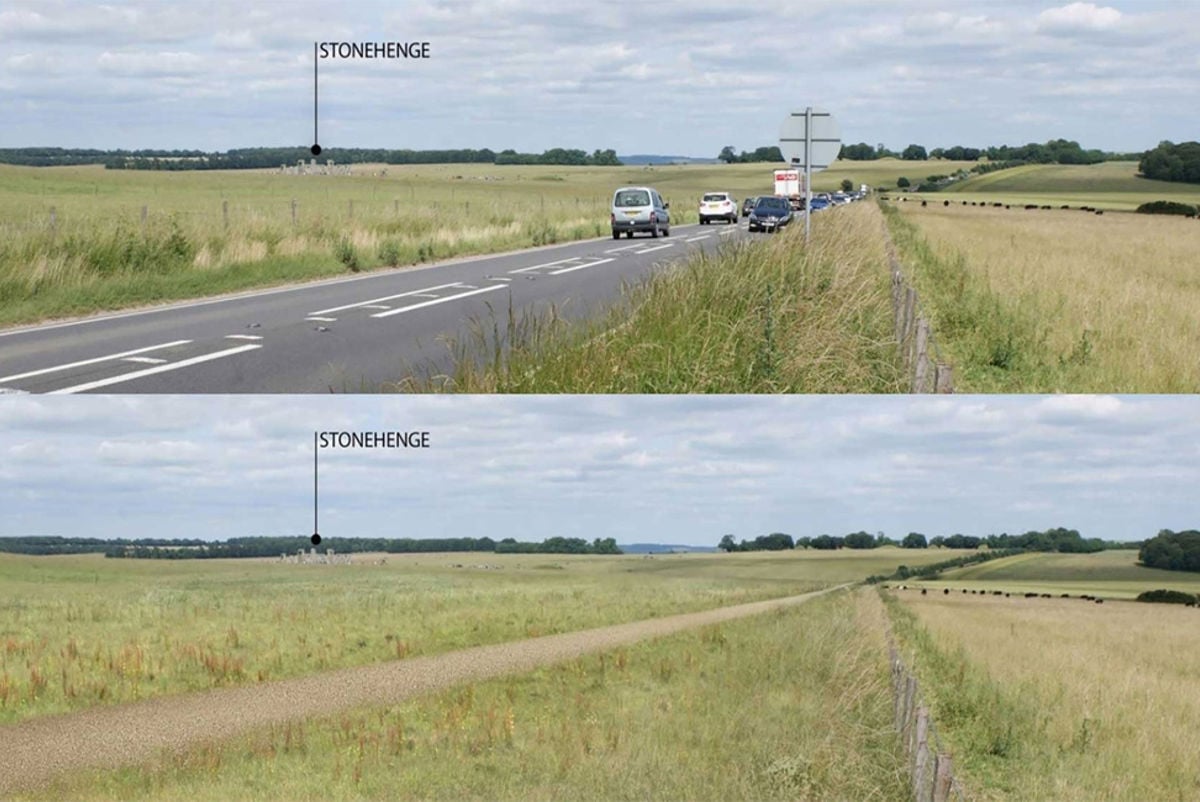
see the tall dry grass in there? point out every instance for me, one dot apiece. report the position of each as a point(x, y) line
point(1059, 300)
point(1077, 701)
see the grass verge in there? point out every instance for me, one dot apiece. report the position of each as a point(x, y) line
point(756, 317)
point(788, 705)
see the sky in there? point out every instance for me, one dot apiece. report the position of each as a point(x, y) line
point(680, 78)
point(665, 469)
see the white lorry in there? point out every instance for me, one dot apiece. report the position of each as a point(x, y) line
point(789, 184)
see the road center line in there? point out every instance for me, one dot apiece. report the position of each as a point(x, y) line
point(652, 250)
point(321, 319)
point(546, 264)
point(580, 267)
point(137, 374)
point(384, 298)
point(697, 239)
point(624, 247)
point(242, 337)
point(81, 363)
point(391, 312)
point(145, 360)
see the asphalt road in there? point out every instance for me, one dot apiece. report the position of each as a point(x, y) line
point(350, 334)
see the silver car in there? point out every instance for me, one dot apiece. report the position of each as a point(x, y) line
point(639, 209)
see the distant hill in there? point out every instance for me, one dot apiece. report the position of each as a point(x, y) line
point(662, 548)
point(651, 158)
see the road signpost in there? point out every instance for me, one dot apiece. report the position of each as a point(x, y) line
point(809, 139)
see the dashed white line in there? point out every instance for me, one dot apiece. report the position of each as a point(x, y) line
point(137, 374)
point(384, 298)
point(624, 247)
point(375, 306)
point(145, 360)
point(424, 295)
point(316, 319)
point(697, 239)
point(652, 250)
point(499, 278)
point(242, 337)
point(579, 267)
point(391, 312)
point(546, 264)
point(98, 359)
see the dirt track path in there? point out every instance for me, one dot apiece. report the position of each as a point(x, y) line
point(36, 751)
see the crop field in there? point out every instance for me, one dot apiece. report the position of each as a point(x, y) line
point(73, 239)
point(1059, 698)
point(1057, 300)
point(79, 631)
point(1107, 574)
point(1108, 185)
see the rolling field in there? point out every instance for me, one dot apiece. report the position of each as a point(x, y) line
point(1059, 698)
point(1107, 574)
point(99, 254)
point(1108, 185)
point(1055, 300)
point(79, 631)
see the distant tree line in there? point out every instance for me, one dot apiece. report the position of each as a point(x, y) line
point(767, 153)
point(252, 158)
point(1173, 551)
point(1056, 151)
point(188, 549)
point(934, 570)
point(1067, 541)
point(1171, 162)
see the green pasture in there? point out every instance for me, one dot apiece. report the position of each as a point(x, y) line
point(77, 631)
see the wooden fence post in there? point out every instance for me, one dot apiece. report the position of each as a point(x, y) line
point(921, 370)
point(144, 212)
point(293, 212)
point(943, 777)
point(225, 213)
point(943, 378)
point(921, 756)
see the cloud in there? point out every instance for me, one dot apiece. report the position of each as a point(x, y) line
point(1078, 17)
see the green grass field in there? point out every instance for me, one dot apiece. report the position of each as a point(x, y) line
point(77, 631)
point(73, 241)
point(1108, 185)
point(1107, 574)
point(665, 719)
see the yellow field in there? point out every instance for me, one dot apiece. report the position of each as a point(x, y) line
point(1098, 701)
point(1098, 303)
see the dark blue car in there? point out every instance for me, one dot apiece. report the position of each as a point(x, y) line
point(770, 213)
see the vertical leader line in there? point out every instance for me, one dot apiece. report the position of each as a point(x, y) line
point(315, 529)
point(316, 139)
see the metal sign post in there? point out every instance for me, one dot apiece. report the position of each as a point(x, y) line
point(812, 137)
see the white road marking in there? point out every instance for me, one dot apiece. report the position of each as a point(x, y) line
point(321, 319)
point(697, 239)
point(499, 278)
point(624, 247)
point(81, 363)
point(546, 264)
point(652, 250)
point(438, 301)
point(242, 337)
point(145, 360)
point(12, 391)
point(137, 374)
point(376, 306)
point(384, 298)
point(424, 295)
point(579, 267)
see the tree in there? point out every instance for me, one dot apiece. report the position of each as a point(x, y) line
point(847, 185)
point(903, 182)
point(915, 540)
point(914, 153)
point(728, 155)
point(859, 540)
point(728, 544)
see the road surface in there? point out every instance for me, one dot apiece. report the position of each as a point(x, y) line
point(350, 334)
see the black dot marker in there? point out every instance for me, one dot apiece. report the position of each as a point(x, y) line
point(316, 150)
point(316, 539)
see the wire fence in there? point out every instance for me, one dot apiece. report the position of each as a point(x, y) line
point(929, 762)
point(929, 371)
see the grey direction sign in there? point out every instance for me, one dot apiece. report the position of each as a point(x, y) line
point(826, 138)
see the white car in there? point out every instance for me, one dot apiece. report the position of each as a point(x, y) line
point(718, 206)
